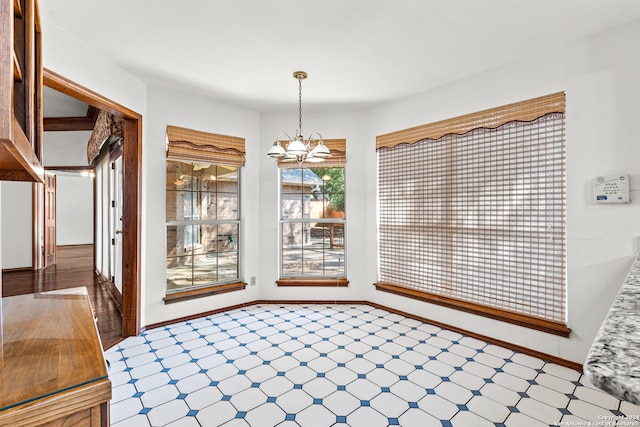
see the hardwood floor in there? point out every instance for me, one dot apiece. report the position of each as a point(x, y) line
point(74, 267)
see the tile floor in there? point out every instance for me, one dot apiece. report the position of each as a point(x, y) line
point(341, 365)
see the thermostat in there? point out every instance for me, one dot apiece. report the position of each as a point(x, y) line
point(611, 189)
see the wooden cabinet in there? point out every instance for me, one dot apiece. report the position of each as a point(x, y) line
point(52, 367)
point(20, 91)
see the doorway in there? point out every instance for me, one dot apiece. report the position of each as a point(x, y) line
point(116, 177)
point(131, 159)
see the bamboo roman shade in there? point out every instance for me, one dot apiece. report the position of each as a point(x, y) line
point(523, 111)
point(193, 145)
point(473, 208)
point(338, 149)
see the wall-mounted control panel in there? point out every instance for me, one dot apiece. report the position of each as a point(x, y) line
point(611, 189)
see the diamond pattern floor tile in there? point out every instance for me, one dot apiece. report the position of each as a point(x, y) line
point(338, 365)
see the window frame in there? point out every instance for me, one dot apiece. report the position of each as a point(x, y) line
point(305, 279)
point(221, 286)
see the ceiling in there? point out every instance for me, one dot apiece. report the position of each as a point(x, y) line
point(358, 53)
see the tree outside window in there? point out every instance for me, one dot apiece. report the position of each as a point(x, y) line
point(313, 222)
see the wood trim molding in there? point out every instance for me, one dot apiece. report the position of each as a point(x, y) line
point(16, 269)
point(88, 122)
point(199, 315)
point(132, 207)
point(524, 350)
point(244, 305)
point(204, 292)
point(310, 302)
point(493, 313)
point(111, 288)
point(62, 84)
point(70, 168)
point(56, 124)
point(511, 346)
point(131, 226)
point(340, 283)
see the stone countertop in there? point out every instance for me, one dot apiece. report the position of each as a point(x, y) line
point(613, 361)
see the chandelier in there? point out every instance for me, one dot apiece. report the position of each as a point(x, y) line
point(298, 148)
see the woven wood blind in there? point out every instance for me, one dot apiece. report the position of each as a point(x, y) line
point(188, 144)
point(524, 111)
point(479, 217)
point(338, 149)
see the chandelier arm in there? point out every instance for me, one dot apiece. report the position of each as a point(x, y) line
point(285, 134)
point(315, 133)
point(315, 136)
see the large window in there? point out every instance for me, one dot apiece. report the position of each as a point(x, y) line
point(202, 213)
point(312, 222)
point(312, 219)
point(473, 214)
point(203, 220)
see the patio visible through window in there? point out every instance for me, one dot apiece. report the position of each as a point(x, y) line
point(203, 221)
point(313, 222)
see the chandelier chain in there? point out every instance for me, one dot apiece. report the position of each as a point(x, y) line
point(300, 105)
point(299, 149)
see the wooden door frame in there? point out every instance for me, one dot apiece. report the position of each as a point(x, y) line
point(132, 181)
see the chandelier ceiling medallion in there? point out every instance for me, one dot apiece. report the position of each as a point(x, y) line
point(298, 148)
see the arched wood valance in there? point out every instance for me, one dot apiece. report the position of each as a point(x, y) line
point(189, 144)
point(492, 118)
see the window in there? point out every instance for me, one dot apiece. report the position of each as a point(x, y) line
point(471, 213)
point(191, 207)
point(202, 215)
point(313, 221)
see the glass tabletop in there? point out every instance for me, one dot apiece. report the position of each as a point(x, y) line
point(48, 344)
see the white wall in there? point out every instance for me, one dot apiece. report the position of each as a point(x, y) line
point(76, 61)
point(167, 107)
point(16, 224)
point(66, 148)
point(60, 149)
point(74, 209)
point(602, 84)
